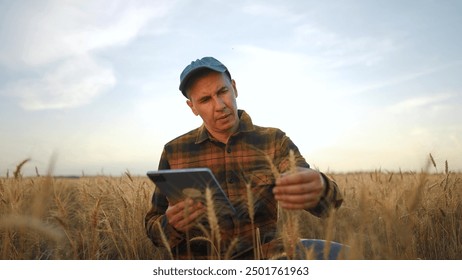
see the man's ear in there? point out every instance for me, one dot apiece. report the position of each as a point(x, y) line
point(191, 105)
point(233, 83)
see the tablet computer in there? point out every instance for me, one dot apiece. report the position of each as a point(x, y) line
point(178, 184)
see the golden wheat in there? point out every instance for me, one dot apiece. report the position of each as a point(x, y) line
point(385, 215)
point(250, 209)
point(289, 225)
point(213, 222)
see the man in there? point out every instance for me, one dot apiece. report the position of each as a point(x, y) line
point(243, 157)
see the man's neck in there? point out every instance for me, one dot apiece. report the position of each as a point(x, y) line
point(224, 136)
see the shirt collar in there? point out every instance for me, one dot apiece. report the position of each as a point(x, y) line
point(245, 125)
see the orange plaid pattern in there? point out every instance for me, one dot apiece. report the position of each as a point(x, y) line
point(247, 159)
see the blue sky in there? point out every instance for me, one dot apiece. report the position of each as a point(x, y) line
point(358, 85)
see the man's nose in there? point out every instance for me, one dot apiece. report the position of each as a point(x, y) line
point(219, 103)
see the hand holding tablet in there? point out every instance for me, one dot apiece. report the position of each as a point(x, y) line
point(181, 184)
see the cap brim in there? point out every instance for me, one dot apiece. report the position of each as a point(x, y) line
point(195, 70)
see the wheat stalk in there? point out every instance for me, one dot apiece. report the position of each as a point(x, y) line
point(231, 247)
point(17, 172)
point(212, 219)
point(164, 240)
point(250, 207)
point(95, 240)
point(215, 250)
point(290, 219)
point(433, 161)
point(274, 169)
point(21, 221)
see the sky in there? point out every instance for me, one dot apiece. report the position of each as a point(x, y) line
point(91, 87)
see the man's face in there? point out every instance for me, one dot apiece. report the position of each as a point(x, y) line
point(213, 98)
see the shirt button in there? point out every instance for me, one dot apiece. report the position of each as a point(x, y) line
point(230, 180)
point(228, 150)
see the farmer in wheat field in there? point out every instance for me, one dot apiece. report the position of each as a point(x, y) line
point(242, 156)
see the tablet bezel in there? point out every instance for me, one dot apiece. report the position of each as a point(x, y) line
point(172, 183)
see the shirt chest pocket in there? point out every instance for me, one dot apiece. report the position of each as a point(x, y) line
point(259, 179)
point(263, 202)
point(261, 184)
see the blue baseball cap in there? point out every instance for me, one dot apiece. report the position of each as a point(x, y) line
point(205, 62)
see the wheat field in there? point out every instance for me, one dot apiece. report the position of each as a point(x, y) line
point(385, 216)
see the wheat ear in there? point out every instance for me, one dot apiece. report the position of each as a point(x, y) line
point(212, 218)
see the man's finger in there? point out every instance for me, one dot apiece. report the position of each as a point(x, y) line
point(299, 177)
point(184, 215)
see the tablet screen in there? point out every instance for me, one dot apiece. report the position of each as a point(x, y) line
point(178, 184)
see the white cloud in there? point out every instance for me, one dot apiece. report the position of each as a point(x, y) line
point(44, 33)
point(268, 10)
point(418, 102)
point(397, 79)
point(339, 50)
point(64, 38)
point(74, 82)
point(114, 29)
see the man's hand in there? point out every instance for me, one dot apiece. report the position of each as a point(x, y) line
point(299, 190)
point(182, 215)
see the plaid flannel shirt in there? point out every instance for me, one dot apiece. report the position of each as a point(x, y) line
point(244, 160)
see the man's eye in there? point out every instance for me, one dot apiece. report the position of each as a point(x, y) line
point(223, 91)
point(203, 100)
